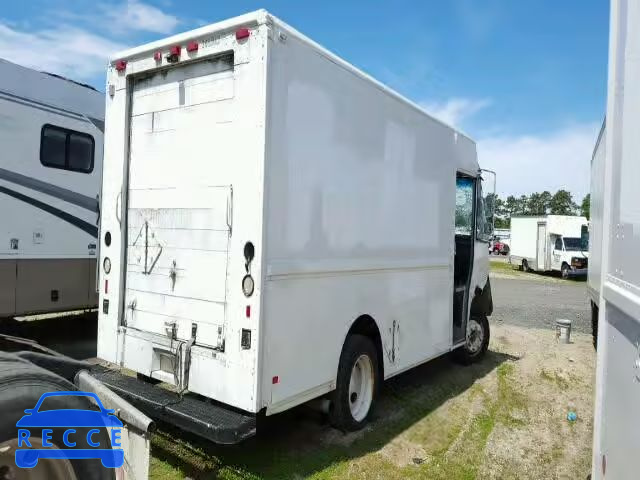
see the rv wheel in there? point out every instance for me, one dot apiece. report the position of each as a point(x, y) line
point(477, 341)
point(565, 271)
point(356, 386)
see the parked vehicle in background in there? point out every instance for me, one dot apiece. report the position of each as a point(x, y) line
point(550, 243)
point(595, 228)
point(262, 273)
point(617, 417)
point(51, 135)
point(499, 247)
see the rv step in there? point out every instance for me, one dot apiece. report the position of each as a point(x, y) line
point(211, 420)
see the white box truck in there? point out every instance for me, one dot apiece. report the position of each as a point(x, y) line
point(617, 418)
point(557, 243)
point(278, 226)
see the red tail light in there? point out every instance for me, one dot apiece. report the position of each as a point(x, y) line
point(106, 286)
point(248, 311)
point(242, 33)
point(192, 47)
point(121, 65)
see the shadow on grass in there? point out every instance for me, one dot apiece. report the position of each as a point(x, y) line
point(299, 442)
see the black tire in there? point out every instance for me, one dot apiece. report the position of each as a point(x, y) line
point(525, 265)
point(21, 385)
point(467, 355)
point(340, 412)
point(594, 324)
point(564, 271)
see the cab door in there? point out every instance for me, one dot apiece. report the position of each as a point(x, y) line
point(556, 254)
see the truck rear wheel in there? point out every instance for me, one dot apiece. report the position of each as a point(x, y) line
point(477, 341)
point(357, 384)
point(21, 385)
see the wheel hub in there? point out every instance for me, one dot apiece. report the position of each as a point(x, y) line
point(475, 336)
point(361, 388)
point(46, 469)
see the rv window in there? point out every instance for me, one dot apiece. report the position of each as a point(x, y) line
point(66, 149)
point(52, 148)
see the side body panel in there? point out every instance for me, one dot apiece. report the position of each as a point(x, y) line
point(524, 240)
point(595, 218)
point(617, 417)
point(360, 196)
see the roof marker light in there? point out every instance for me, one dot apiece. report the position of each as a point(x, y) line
point(121, 65)
point(242, 33)
point(192, 47)
point(157, 56)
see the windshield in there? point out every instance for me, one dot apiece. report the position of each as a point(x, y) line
point(573, 244)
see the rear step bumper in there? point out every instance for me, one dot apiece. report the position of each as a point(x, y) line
point(213, 421)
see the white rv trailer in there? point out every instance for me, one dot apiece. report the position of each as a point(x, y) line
point(617, 418)
point(51, 132)
point(595, 228)
point(281, 227)
point(550, 243)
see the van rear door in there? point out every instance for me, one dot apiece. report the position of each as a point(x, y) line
point(179, 215)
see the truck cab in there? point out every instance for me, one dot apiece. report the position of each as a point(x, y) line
point(570, 256)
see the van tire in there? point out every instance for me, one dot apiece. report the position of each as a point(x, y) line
point(21, 385)
point(564, 270)
point(342, 400)
point(472, 351)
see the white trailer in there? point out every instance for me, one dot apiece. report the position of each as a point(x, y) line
point(595, 228)
point(278, 226)
point(550, 243)
point(51, 132)
point(617, 418)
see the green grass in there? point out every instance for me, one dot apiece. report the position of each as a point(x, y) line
point(430, 408)
point(505, 267)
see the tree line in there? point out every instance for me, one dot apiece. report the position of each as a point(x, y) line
point(539, 203)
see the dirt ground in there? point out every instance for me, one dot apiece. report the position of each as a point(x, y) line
point(504, 418)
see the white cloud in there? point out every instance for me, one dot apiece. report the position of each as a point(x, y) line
point(76, 46)
point(456, 110)
point(65, 50)
point(137, 15)
point(534, 163)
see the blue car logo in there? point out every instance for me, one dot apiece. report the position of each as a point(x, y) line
point(40, 425)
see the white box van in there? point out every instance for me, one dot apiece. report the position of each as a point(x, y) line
point(547, 243)
point(278, 226)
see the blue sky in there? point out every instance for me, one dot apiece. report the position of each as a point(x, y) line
point(527, 80)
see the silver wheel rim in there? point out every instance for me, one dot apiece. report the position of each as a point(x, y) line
point(475, 336)
point(46, 469)
point(361, 388)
